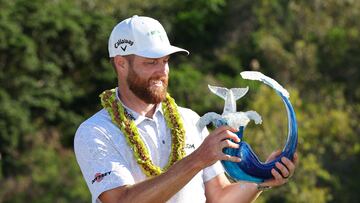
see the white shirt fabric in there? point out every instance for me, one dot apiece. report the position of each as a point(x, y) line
point(102, 151)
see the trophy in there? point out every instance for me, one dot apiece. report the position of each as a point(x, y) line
point(250, 168)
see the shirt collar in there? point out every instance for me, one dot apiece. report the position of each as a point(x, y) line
point(137, 118)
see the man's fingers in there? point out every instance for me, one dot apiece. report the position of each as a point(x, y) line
point(273, 155)
point(285, 173)
point(226, 132)
point(220, 129)
point(230, 135)
point(286, 168)
point(289, 165)
point(278, 178)
point(230, 158)
point(296, 159)
point(276, 181)
point(276, 153)
point(228, 143)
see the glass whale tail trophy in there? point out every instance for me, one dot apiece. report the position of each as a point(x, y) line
point(250, 168)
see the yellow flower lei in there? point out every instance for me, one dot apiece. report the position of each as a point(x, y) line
point(131, 133)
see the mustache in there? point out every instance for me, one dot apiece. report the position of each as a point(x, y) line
point(163, 79)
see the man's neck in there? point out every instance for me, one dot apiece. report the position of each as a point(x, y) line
point(129, 99)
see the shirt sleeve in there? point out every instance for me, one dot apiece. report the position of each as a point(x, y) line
point(102, 166)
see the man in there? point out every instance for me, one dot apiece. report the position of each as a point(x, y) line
point(143, 148)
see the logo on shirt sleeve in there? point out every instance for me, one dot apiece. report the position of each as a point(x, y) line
point(99, 177)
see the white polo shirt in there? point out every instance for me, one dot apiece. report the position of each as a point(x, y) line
point(107, 161)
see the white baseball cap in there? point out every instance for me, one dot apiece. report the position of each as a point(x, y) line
point(142, 36)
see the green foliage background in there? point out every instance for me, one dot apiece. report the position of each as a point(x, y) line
point(54, 63)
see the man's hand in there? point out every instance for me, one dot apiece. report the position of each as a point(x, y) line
point(211, 149)
point(219, 189)
point(287, 169)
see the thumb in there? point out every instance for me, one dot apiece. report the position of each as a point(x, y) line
point(273, 155)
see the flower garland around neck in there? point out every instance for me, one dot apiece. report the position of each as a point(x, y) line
point(131, 133)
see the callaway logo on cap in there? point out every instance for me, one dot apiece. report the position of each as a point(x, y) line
point(142, 36)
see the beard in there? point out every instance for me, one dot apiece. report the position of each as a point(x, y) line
point(146, 89)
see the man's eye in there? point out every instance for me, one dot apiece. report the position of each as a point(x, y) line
point(151, 62)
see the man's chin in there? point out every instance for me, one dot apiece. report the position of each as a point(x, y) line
point(154, 97)
point(158, 98)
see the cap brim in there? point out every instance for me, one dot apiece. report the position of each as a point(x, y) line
point(158, 52)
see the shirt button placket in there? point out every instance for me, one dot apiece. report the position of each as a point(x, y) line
point(158, 154)
point(160, 140)
point(161, 135)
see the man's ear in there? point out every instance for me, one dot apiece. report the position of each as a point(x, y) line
point(119, 61)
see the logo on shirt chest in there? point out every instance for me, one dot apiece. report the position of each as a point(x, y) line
point(190, 146)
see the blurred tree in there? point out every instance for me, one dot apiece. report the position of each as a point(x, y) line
point(47, 51)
